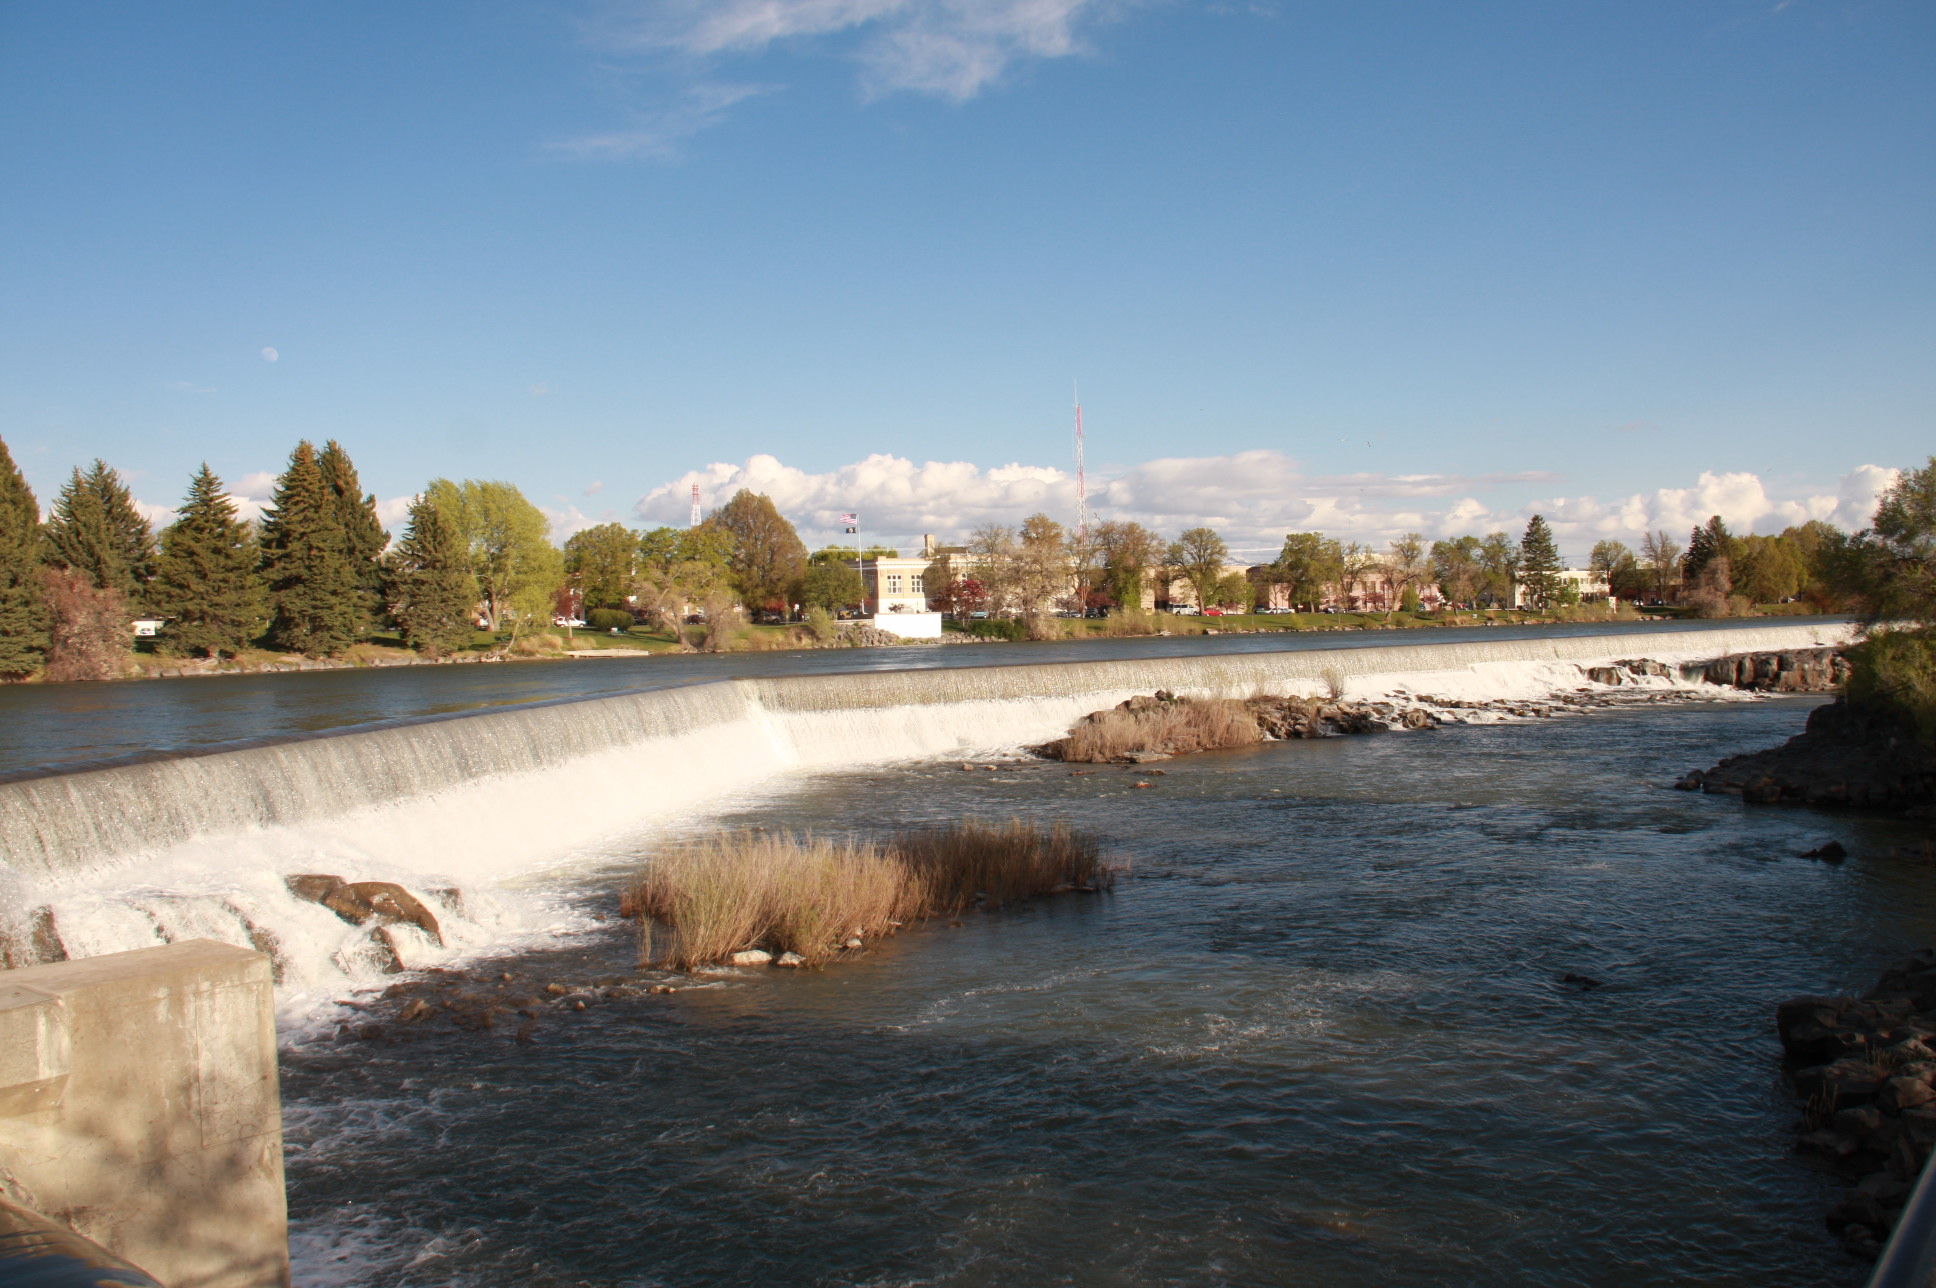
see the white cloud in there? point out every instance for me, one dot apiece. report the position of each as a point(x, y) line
point(950, 49)
point(1251, 498)
point(657, 132)
point(594, 488)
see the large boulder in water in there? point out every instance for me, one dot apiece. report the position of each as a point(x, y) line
point(358, 902)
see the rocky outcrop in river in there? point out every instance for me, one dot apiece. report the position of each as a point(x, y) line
point(1844, 756)
point(1867, 1069)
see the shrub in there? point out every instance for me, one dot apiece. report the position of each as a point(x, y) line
point(88, 639)
point(1893, 672)
point(820, 624)
point(609, 619)
point(1172, 728)
point(997, 628)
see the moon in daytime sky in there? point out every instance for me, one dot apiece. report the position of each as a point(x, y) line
point(269, 354)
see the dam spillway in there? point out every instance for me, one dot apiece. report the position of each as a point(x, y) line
point(196, 844)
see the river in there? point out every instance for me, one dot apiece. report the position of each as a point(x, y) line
point(1321, 1035)
point(49, 725)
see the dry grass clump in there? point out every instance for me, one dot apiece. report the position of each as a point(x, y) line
point(703, 901)
point(1170, 728)
point(786, 893)
point(961, 864)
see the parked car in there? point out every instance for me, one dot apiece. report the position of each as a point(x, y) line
point(1183, 610)
point(567, 621)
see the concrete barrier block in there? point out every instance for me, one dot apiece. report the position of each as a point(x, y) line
point(164, 1141)
point(35, 1051)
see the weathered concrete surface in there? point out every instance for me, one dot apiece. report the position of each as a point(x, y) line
point(139, 1105)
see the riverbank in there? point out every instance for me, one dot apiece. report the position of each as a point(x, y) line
point(387, 651)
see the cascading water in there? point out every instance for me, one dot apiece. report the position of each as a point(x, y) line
point(125, 856)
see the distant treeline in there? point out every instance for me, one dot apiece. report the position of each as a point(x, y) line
point(317, 573)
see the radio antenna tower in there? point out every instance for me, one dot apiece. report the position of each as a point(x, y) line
point(1082, 481)
point(695, 505)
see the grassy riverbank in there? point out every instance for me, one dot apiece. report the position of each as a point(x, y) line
point(385, 648)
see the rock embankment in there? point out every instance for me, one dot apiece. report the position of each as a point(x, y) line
point(1843, 757)
point(1866, 1068)
point(1804, 670)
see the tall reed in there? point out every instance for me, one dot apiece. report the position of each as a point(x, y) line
point(961, 864)
point(702, 901)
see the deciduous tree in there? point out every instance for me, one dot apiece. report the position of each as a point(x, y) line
point(88, 626)
point(602, 563)
point(1125, 551)
point(209, 582)
point(767, 556)
point(1663, 556)
point(1456, 567)
point(1200, 554)
point(1308, 563)
point(509, 540)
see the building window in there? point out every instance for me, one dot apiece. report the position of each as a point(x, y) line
point(894, 584)
point(914, 584)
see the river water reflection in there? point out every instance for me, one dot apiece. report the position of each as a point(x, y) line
point(45, 725)
point(1320, 1038)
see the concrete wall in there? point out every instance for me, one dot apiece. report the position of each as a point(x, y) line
point(139, 1105)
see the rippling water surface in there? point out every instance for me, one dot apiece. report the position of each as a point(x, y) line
point(1320, 1038)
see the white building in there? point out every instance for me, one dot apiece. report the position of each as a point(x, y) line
point(1590, 586)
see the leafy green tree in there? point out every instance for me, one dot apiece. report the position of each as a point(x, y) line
point(1769, 570)
point(96, 531)
point(1234, 590)
point(517, 567)
point(363, 534)
point(1308, 563)
point(1125, 551)
point(832, 586)
point(23, 610)
point(768, 556)
point(601, 564)
point(1200, 554)
point(1539, 562)
point(1498, 568)
point(315, 597)
point(1456, 568)
point(208, 583)
point(432, 589)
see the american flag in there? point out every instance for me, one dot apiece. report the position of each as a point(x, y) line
point(850, 518)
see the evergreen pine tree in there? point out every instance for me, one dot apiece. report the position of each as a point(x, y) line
point(97, 531)
point(23, 612)
point(433, 592)
point(355, 515)
point(1539, 560)
point(313, 592)
point(208, 585)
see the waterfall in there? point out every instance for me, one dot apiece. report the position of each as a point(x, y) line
point(465, 810)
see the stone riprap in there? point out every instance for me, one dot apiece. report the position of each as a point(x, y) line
point(1866, 1068)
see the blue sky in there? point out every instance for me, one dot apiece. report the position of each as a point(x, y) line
point(1362, 267)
